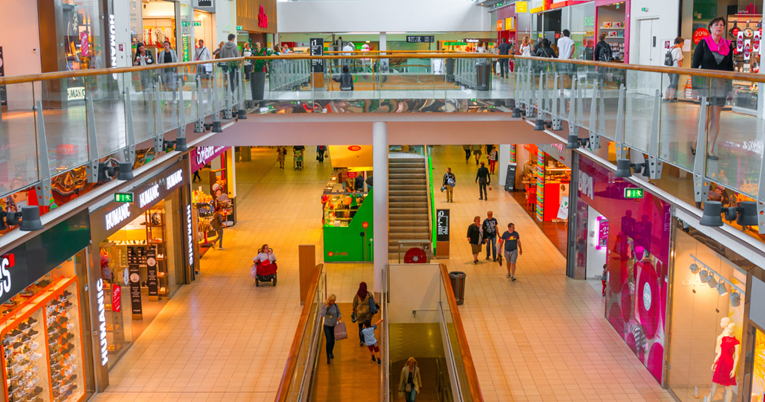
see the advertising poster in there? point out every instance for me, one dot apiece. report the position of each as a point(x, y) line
point(442, 225)
point(151, 272)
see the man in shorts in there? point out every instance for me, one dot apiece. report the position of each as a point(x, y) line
point(512, 242)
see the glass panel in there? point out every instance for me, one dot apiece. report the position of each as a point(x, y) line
point(18, 144)
point(168, 97)
point(758, 371)
point(65, 123)
point(109, 112)
point(680, 125)
point(639, 103)
point(141, 87)
point(189, 92)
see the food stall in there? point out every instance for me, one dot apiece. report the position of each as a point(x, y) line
point(347, 215)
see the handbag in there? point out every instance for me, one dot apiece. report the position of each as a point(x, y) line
point(254, 271)
point(353, 315)
point(340, 331)
point(266, 263)
point(372, 306)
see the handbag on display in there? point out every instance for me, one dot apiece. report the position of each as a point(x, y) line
point(340, 331)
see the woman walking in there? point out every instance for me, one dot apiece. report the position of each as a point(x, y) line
point(714, 53)
point(409, 383)
point(332, 316)
point(361, 310)
point(475, 238)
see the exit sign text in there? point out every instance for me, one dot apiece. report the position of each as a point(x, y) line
point(123, 197)
point(633, 193)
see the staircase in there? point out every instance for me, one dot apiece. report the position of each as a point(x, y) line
point(408, 217)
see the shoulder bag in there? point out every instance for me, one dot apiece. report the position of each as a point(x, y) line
point(374, 308)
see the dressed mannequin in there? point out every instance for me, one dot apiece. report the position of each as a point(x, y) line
point(726, 361)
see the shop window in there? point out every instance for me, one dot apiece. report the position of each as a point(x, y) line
point(704, 320)
point(758, 372)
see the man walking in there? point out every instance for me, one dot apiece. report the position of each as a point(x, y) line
point(483, 179)
point(490, 234)
point(504, 50)
point(512, 242)
point(449, 181)
point(229, 51)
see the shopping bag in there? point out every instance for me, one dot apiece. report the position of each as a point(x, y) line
point(340, 331)
point(254, 271)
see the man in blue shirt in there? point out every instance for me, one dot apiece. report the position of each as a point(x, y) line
point(512, 241)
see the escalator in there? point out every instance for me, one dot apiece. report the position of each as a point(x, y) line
point(421, 320)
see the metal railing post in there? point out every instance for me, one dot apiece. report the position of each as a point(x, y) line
point(216, 125)
point(654, 164)
point(199, 123)
point(129, 151)
point(92, 139)
point(700, 182)
point(43, 164)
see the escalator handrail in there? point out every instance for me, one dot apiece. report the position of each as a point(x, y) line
point(292, 359)
point(467, 357)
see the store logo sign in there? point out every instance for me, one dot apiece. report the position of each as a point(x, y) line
point(262, 17)
point(102, 321)
point(118, 215)
point(75, 93)
point(113, 40)
point(8, 261)
point(148, 196)
point(204, 154)
point(586, 185)
point(189, 235)
point(174, 179)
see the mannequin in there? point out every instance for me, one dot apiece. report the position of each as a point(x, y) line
point(726, 361)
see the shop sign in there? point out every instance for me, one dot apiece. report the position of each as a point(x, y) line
point(185, 39)
point(146, 197)
point(262, 17)
point(102, 321)
point(75, 93)
point(197, 23)
point(174, 179)
point(201, 156)
point(354, 148)
point(189, 235)
point(8, 261)
point(442, 225)
point(586, 185)
point(500, 25)
point(114, 218)
point(85, 44)
point(112, 40)
point(631, 193)
point(455, 43)
point(420, 39)
point(522, 7)
point(317, 49)
point(472, 40)
point(116, 298)
point(510, 24)
point(123, 197)
point(700, 34)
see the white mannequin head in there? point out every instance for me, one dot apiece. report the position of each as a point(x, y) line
point(724, 322)
point(729, 329)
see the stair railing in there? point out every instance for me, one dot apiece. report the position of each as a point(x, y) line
point(431, 201)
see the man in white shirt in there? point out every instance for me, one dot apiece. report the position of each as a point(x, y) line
point(348, 49)
point(565, 45)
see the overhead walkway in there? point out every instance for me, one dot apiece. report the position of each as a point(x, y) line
point(421, 320)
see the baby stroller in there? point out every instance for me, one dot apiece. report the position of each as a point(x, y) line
point(264, 273)
point(298, 158)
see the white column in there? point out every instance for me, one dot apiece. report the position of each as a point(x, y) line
point(504, 160)
point(380, 199)
point(383, 46)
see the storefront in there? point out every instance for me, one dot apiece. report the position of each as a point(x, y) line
point(347, 216)
point(613, 19)
point(153, 23)
point(204, 24)
point(545, 179)
point(634, 234)
point(549, 21)
point(213, 186)
point(46, 320)
point(142, 250)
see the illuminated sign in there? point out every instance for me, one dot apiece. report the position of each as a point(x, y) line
point(174, 179)
point(500, 25)
point(75, 93)
point(631, 193)
point(204, 154)
point(8, 261)
point(521, 7)
point(510, 24)
point(147, 196)
point(123, 197)
point(189, 235)
point(585, 185)
point(113, 218)
point(102, 321)
point(113, 40)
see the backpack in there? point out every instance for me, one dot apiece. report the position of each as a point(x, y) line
point(668, 59)
point(604, 54)
point(450, 181)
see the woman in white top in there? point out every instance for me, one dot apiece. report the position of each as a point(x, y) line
point(480, 48)
point(526, 47)
point(265, 254)
point(674, 79)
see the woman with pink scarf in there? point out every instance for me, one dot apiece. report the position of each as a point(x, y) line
point(714, 53)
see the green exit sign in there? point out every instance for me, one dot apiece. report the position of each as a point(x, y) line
point(633, 193)
point(239, 27)
point(197, 23)
point(123, 197)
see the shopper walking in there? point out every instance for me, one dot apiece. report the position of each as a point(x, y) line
point(475, 238)
point(369, 339)
point(362, 311)
point(489, 228)
point(229, 51)
point(167, 56)
point(476, 152)
point(320, 153)
point(602, 50)
point(345, 79)
point(526, 47)
point(483, 179)
point(504, 50)
point(143, 57)
point(566, 46)
point(216, 53)
point(492, 160)
point(449, 182)
point(545, 50)
point(714, 53)
point(512, 247)
point(247, 52)
point(217, 224)
point(468, 151)
point(281, 153)
point(332, 316)
point(673, 58)
point(409, 383)
point(201, 54)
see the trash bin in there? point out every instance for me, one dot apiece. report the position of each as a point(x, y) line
point(458, 285)
point(449, 70)
point(483, 76)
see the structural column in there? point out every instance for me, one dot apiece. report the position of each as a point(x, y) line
point(383, 46)
point(502, 161)
point(380, 199)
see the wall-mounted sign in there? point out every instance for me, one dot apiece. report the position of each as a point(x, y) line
point(200, 156)
point(455, 43)
point(123, 197)
point(146, 197)
point(500, 25)
point(510, 24)
point(116, 298)
point(472, 40)
point(585, 185)
point(75, 93)
point(521, 7)
point(603, 226)
point(189, 236)
point(420, 39)
point(442, 225)
point(117, 216)
point(633, 193)
point(7, 261)
point(239, 27)
point(174, 179)
point(102, 321)
point(112, 41)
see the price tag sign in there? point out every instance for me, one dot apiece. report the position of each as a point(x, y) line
point(633, 193)
point(123, 197)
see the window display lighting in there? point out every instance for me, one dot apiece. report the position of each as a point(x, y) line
point(709, 276)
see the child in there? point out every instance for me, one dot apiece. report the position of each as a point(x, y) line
point(370, 341)
point(604, 278)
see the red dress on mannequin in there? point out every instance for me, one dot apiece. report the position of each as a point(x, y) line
point(725, 362)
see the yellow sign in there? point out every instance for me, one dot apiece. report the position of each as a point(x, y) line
point(521, 7)
point(537, 10)
point(500, 24)
point(510, 24)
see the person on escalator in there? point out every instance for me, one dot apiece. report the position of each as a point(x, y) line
point(410, 383)
point(345, 80)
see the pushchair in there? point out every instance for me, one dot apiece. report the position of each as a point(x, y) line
point(264, 273)
point(298, 158)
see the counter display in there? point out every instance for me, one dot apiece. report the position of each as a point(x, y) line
point(347, 218)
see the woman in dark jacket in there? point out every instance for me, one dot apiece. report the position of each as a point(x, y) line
point(475, 238)
point(345, 80)
point(143, 57)
point(546, 50)
point(713, 53)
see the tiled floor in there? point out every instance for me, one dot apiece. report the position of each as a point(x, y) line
point(542, 337)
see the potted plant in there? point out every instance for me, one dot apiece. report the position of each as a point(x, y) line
point(258, 75)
